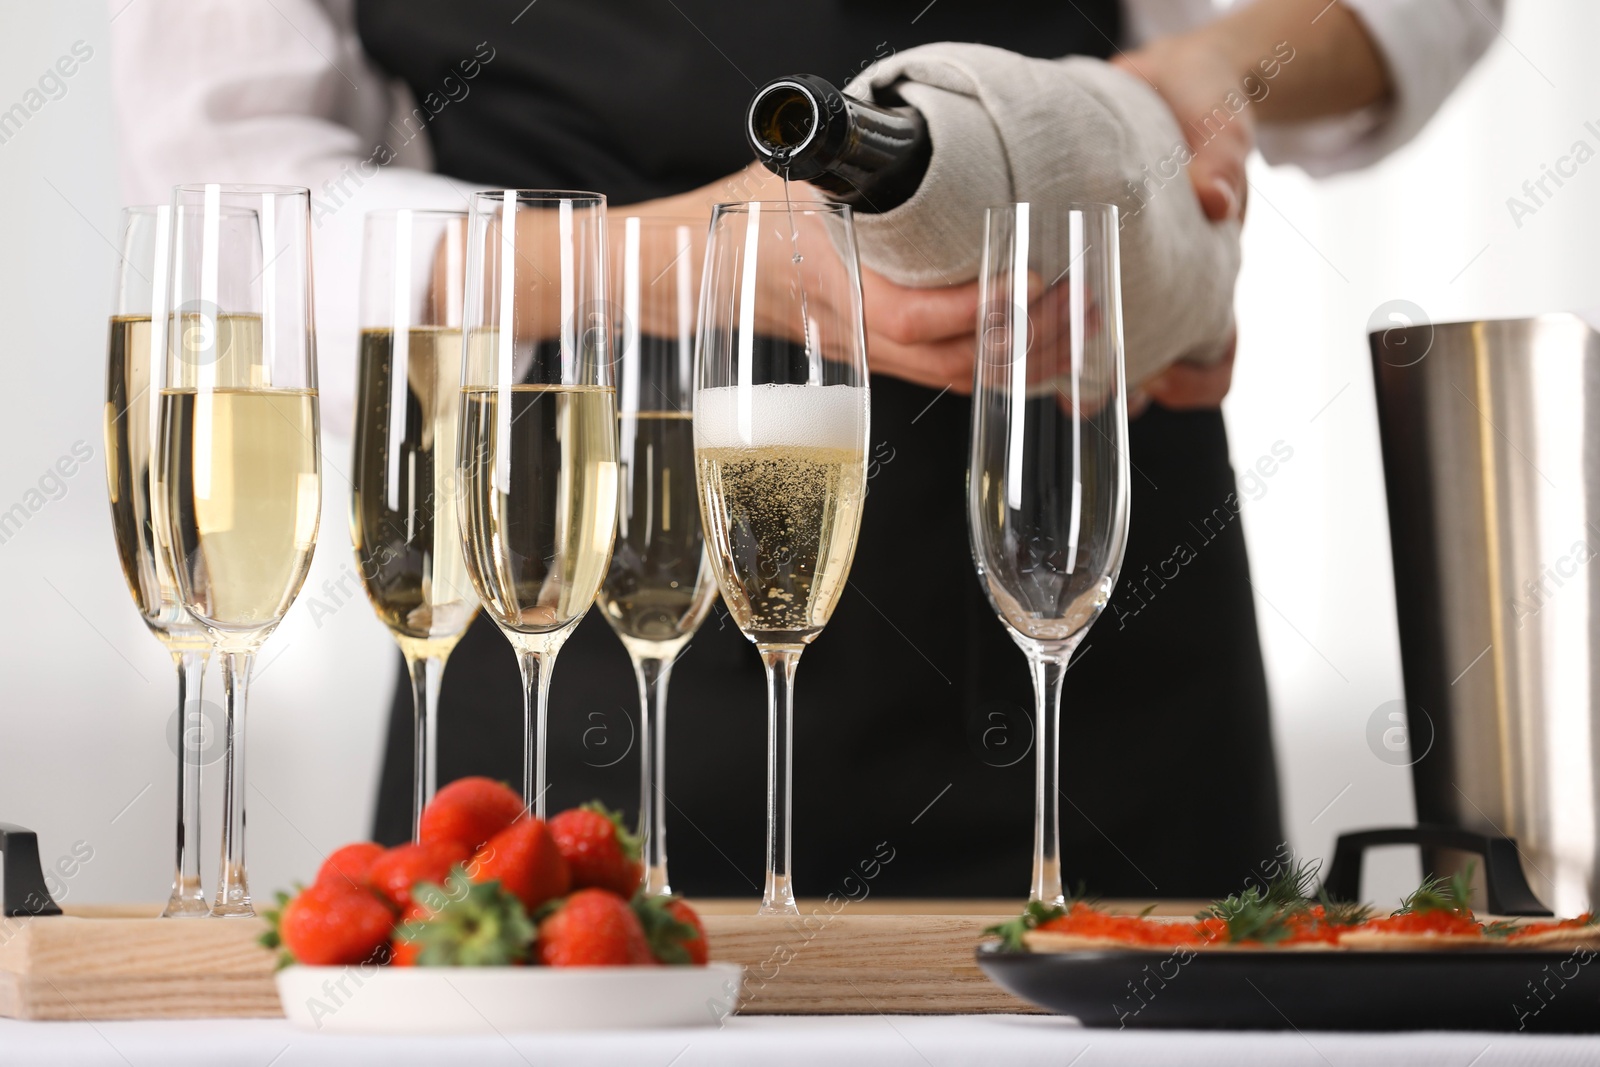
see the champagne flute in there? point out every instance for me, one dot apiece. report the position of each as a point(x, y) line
point(403, 519)
point(660, 586)
point(1047, 488)
point(537, 456)
point(780, 433)
point(138, 328)
point(240, 467)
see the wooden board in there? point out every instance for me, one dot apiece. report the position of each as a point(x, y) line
point(867, 957)
point(858, 963)
point(78, 967)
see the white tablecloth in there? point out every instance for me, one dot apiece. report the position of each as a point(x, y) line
point(834, 1041)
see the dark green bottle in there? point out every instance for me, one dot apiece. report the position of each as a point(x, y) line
point(867, 155)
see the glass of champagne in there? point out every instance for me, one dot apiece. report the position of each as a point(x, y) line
point(240, 493)
point(1047, 487)
point(537, 456)
point(660, 586)
point(403, 511)
point(780, 434)
point(138, 328)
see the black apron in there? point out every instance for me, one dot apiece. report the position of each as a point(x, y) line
point(913, 725)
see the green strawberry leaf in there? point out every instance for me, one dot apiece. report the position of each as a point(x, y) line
point(272, 937)
point(665, 932)
point(476, 925)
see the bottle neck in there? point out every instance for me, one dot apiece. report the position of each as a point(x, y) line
point(857, 152)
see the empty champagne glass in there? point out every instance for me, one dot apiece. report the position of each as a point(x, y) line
point(780, 433)
point(660, 585)
point(240, 468)
point(138, 328)
point(1047, 488)
point(537, 456)
point(403, 519)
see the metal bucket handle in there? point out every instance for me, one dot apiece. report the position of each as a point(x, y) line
point(22, 888)
point(1507, 887)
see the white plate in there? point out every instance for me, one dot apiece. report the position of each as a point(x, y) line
point(462, 1000)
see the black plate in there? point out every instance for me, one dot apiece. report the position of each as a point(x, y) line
point(1537, 991)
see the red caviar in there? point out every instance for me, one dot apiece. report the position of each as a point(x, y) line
point(1427, 922)
point(1085, 921)
point(1545, 927)
point(1310, 926)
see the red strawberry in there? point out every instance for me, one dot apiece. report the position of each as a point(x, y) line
point(470, 810)
point(696, 946)
point(334, 925)
point(672, 929)
point(525, 860)
point(593, 928)
point(404, 947)
point(397, 870)
point(350, 865)
point(601, 853)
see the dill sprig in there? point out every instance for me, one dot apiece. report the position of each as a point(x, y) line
point(1033, 916)
point(1342, 912)
point(1010, 933)
point(1264, 913)
point(1453, 895)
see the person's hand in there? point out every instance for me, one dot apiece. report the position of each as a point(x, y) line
point(1187, 386)
point(926, 336)
point(1197, 79)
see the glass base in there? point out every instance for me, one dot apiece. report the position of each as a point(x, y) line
point(188, 901)
point(233, 899)
point(655, 882)
point(779, 898)
point(1047, 884)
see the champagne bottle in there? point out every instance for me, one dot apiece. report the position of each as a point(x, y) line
point(864, 154)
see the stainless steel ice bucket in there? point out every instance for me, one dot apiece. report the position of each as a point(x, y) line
point(1491, 451)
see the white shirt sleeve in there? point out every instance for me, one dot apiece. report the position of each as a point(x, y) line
point(279, 92)
point(1427, 45)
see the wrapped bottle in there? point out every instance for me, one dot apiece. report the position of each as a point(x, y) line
point(867, 155)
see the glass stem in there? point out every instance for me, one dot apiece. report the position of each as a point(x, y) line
point(188, 897)
point(535, 708)
point(426, 673)
point(233, 889)
point(653, 675)
point(778, 896)
point(1048, 671)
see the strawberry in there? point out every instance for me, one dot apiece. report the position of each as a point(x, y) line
point(672, 929)
point(349, 865)
point(404, 947)
point(600, 851)
point(470, 810)
point(525, 860)
point(592, 928)
point(697, 946)
point(333, 925)
point(397, 870)
point(471, 926)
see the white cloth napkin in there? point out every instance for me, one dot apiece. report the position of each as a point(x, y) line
point(1008, 128)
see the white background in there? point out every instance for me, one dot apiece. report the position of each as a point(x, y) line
point(86, 690)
